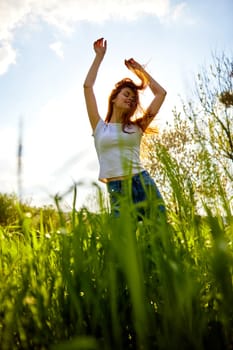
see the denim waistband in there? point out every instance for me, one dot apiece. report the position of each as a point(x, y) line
point(136, 178)
point(132, 177)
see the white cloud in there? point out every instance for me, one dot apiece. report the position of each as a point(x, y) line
point(11, 16)
point(7, 57)
point(63, 14)
point(178, 11)
point(57, 48)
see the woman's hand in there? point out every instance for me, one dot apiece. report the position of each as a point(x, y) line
point(137, 69)
point(132, 64)
point(100, 47)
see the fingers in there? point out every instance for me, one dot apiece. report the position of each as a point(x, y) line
point(131, 63)
point(131, 60)
point(100, 43)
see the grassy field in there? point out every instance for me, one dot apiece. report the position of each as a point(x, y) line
point(88, 281)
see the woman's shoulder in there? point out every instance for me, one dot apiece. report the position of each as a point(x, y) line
point(99, 126)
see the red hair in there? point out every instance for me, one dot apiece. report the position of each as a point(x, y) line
point(127, 118)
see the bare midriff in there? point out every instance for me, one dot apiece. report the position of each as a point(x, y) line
point(117, 178)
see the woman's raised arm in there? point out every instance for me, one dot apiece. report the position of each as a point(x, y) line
point(100, 47)
point(158, 91)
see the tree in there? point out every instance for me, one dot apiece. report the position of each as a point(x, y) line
point(212, 112)
point(199, 143)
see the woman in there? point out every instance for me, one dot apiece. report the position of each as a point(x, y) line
point(117, 139)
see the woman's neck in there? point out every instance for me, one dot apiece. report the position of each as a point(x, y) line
point(117, 116)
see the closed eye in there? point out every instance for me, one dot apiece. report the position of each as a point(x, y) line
point(133, 99)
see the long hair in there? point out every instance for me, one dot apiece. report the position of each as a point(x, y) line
point(127, 117)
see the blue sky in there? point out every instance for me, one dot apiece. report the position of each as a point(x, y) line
point(45, 52)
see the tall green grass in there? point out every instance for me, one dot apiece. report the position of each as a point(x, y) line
point(102, 283)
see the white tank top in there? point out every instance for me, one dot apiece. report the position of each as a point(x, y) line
point(118, 151)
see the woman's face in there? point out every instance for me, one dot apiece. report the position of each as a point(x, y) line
point(126, 99)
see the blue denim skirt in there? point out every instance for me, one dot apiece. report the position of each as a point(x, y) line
point(140, 192)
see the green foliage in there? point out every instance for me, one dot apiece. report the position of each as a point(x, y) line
point(96, 282)
point(8, 209)
point(17, 214)
point(199, 142)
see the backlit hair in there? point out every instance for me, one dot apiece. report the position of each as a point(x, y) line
point(127, 117)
